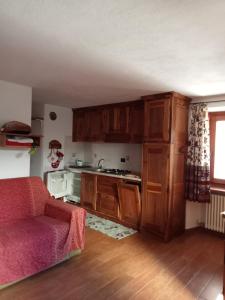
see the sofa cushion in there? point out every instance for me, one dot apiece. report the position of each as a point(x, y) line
point(30, 245)
point(21, 198)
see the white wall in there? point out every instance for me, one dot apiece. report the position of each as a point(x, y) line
point(112, 153)
point(195, 214)
point(61, 130)
point(73, 151)
point(15, 105)
point(58, 129)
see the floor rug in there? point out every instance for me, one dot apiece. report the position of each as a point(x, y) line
point(107, 227)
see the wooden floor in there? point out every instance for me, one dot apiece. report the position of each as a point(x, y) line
point(138, 267)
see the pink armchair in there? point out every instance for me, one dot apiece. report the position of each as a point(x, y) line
point(36, 231)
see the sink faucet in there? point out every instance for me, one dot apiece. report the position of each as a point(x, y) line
point(100, 163)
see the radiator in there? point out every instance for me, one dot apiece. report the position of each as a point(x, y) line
point(213, 219)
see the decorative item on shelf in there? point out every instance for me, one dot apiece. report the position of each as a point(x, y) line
point(32, 150)
point(16, 127)
point(17, 135)
point(55, 156)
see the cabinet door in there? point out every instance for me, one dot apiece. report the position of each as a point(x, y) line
point(157, 120)
point(107, 204)
point(88, 125)
point(79, 128)
point(130, 204)
point(88, 190)
point(107, 196)
point(178, 156)
point(155, 187)
point(137, 122)
point(118, 124)
point(95, 125)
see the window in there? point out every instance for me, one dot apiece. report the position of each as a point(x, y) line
point(217, 148)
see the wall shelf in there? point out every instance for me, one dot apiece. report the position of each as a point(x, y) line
point(4, 136)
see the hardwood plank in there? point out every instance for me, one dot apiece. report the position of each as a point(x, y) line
point(138, 267)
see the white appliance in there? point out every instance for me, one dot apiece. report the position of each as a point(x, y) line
point(64, 184)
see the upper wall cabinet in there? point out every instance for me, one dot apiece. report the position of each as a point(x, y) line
point(95, 125)
point(137, 122)
point(157, 118)
point(79, 129)
point(116, 123)
point(88, 125)
point(117, 118)
point(150, 119)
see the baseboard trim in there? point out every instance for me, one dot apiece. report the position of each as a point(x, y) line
point(205, 230)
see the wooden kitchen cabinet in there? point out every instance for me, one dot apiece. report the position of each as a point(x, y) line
point(107, 196)
point(115, 123)
point(88, 190)
point(163, 203)
point(88, 125)
point(95, 125)
point(79, 130)
point(112, 198)
point(118, 123)
point(136, 121)
point(157, 118)
point(155, 187)
point(130, 204)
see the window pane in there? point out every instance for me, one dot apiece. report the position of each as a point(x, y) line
point(219, 163)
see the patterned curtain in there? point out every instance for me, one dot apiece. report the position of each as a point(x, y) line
point(198, 157)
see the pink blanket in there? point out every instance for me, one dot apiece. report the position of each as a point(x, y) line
point(40, 234)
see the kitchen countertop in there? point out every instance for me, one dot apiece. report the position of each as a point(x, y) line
point(94, 171)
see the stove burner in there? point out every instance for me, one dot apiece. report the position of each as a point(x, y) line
point(117, 171)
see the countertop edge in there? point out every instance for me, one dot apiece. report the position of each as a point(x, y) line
point(74, 170)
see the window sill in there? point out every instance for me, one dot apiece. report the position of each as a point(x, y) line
point(217, 190)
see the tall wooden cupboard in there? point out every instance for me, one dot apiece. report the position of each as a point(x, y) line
point(163, 161)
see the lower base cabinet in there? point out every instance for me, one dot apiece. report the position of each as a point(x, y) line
point(107, 196)
point(107, 204)
point(111, 197)
point(130, 204)
point(88, 190)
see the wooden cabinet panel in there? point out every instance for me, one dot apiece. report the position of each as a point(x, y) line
point(108, 184)
point(95, 125)
point(118, 123)
point(107, 204)
point(88, 190)
point(157, 120)
point(88, 125)
point(130, 204)
point(79, 130)
point(155, 187)
point(107, 195)
point(179, 136)
point(137, 122)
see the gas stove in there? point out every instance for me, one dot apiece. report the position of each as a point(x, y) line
point(116, 171)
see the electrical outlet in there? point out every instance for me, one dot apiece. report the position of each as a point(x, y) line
point(74, 155)
point(122, 159)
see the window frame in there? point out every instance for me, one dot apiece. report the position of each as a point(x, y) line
point(213, 118)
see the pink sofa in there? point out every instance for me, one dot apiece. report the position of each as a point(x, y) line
point(36, 231)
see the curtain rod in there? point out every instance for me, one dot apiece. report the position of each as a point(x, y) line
point(213, 101)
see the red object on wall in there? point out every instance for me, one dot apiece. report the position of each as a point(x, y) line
point(54, 144)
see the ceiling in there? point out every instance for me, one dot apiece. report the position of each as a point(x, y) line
point(79, 53)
